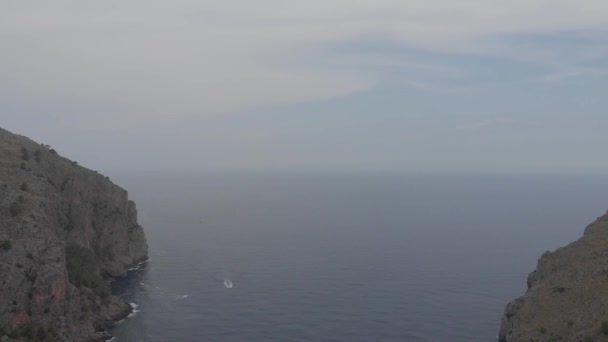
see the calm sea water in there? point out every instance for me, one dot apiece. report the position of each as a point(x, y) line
point(343, 257)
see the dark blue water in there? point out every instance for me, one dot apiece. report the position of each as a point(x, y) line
point(368, 257)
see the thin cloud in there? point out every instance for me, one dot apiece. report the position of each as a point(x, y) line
point(158, 59)
point(576, 72)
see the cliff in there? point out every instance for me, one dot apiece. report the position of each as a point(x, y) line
point(64, 230)
point(567, 296)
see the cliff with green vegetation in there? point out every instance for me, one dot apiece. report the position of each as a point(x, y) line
point(567, 296)
point(64, 231)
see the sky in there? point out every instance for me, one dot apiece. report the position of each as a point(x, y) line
point(343, 85)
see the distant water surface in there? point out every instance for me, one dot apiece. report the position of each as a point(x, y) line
point(352, 257)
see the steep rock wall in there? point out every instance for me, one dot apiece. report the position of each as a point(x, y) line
point(64, 230)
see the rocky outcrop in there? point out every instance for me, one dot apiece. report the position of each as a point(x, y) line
point(567, 296)
point(64, 230)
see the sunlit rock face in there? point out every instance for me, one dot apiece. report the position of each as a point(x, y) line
point(64, 230)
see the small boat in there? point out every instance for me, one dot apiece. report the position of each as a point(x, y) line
point(228, 283)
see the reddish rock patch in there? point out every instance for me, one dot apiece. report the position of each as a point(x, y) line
point(58, 290)
point(20, 318)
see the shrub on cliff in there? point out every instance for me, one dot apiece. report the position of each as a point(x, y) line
point(605, 327)
point(24, 187)
point(28, 331)
point(52, 331)
point(82, 269)
point(15, 209)
point(41, 333)
point(6, 245)
point(25, 154)
point(14, 334)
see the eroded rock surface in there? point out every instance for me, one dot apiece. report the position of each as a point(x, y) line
point(567, 296)
point(64, 230)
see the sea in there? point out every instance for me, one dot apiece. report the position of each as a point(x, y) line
point(342, 257)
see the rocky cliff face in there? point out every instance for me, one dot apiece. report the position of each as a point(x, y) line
point(567, 297)
point(64, 230)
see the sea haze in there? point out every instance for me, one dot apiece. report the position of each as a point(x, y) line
point(343, 257)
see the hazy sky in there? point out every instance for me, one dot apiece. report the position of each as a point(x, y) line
point(422, 85)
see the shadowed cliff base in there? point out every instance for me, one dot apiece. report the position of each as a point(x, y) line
point(64, 230)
